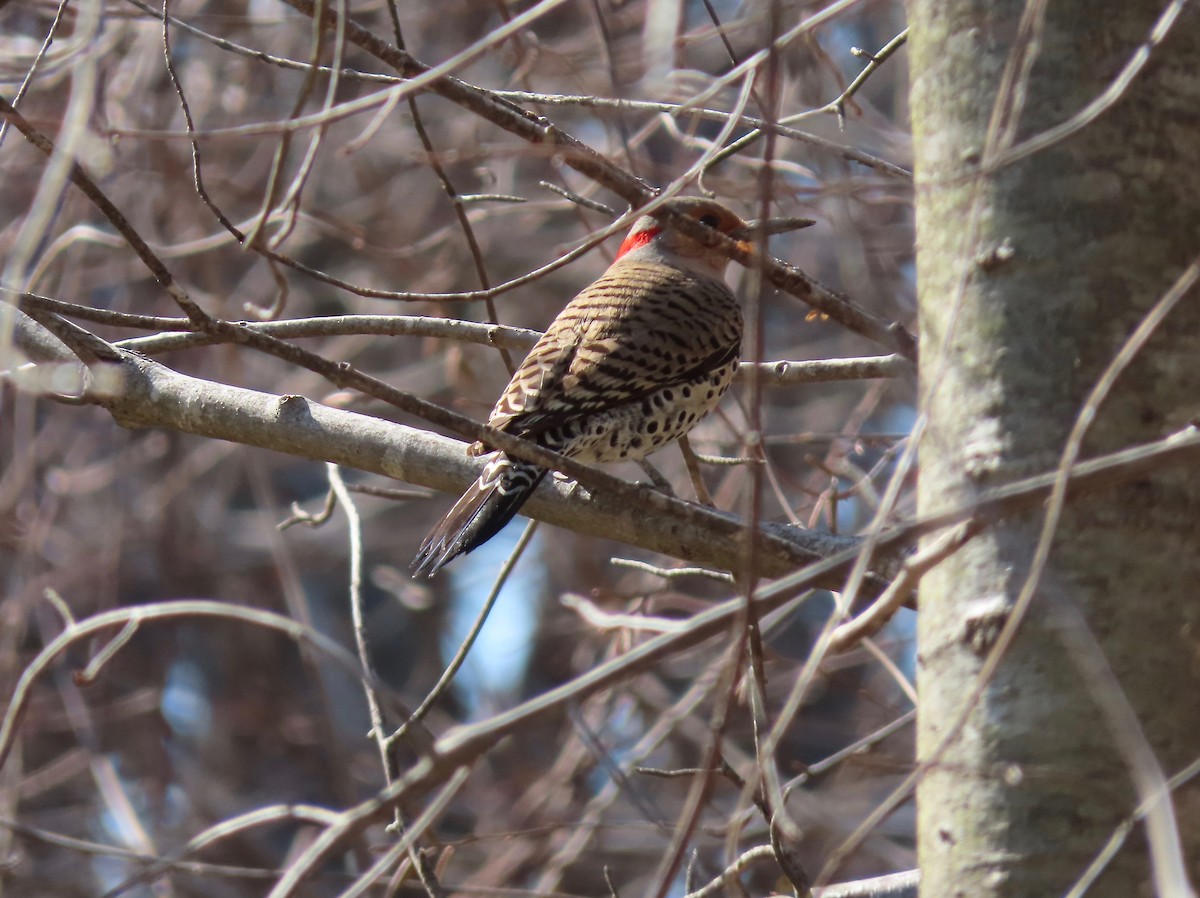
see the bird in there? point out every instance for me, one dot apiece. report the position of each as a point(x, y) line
point(631, 364)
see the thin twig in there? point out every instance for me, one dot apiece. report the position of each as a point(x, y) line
point(671, 573)
point(892, 885)
point(337, 488)
point(308, 518)
point(460, 656)
point(876, 616)
point(37, 61)
point(578, 200)
point(142, 615)
point(158, 865)
point(838, 106)
point(858, 747)
point(460, 212)
point(744, 860)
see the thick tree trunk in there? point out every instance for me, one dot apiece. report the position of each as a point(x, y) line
point(1033, 272)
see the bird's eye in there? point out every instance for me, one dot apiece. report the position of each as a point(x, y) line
point(711, 220)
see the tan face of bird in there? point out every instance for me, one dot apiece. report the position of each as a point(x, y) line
point(655, 240)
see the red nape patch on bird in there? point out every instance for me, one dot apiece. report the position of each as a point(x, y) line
point(638, 239)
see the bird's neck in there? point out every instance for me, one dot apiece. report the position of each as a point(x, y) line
point(649, 250)
point(637, 240)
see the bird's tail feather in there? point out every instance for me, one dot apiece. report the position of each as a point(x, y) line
point(479, 514)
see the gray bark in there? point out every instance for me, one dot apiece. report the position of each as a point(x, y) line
point(1033, 271)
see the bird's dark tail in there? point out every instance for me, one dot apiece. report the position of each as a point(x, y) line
point(482, 511)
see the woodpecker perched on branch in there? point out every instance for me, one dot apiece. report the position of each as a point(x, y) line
point(631, 364)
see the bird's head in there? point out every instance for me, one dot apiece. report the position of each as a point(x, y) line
point(655, 238)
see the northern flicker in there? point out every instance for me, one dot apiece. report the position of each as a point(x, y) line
point(632, 363)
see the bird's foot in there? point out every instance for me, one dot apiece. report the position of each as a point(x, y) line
point(573, 487)
point(660, 483)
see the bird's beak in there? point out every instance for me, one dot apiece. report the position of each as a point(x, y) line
point(768, 226)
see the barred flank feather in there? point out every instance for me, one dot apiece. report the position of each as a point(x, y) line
point(490, 503)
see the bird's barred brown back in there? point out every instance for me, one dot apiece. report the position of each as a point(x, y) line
point(621, 341)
